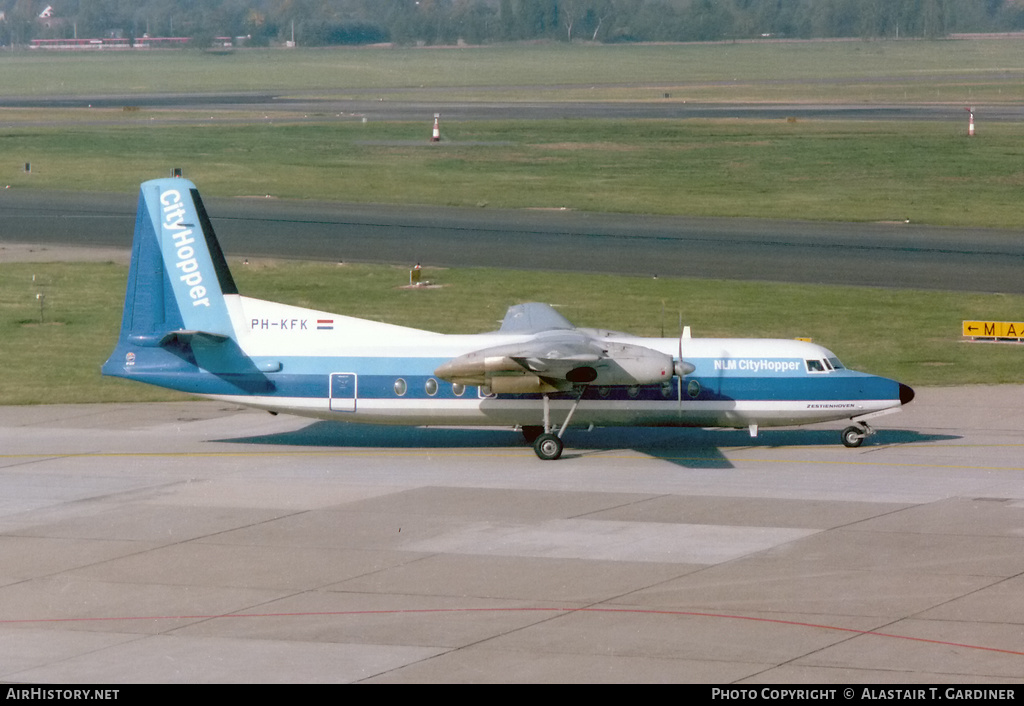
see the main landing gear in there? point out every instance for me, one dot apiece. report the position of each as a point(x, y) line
point(546, 443)
point(548, 447)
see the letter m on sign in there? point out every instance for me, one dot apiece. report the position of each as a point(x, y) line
point(990, 329)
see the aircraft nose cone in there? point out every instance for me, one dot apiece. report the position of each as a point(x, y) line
point(906, 394)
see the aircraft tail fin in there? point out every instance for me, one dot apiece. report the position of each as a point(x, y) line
point(178, 275)
point(178, 286)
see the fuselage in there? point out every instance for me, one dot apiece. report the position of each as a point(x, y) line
point(185, 326)
point(327, 366)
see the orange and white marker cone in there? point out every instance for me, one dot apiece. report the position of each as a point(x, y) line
point(970, 122)
point(436, 136)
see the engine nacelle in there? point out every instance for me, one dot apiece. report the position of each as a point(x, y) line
point(520, 385)
point(551, 364)
point(477, 368)
point(627, 364)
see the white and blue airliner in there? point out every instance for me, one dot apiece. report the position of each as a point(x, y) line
point(186, 327)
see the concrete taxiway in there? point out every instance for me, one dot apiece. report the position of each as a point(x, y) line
point(901, 255)
point(198, 542)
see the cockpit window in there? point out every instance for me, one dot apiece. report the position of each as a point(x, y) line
point(823, 365)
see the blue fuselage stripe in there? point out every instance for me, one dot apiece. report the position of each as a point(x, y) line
point(835, 386)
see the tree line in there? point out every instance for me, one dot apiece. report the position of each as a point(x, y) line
point(334, 22)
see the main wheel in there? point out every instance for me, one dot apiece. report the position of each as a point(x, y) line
point(530, 433)
point(548, 447)
point(853, 437)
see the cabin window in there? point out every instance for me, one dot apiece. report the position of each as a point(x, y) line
point(459, 389)
point(400, 387)
point(666, 390)
point(431, 387)
point(693, 389)
point(633, 391)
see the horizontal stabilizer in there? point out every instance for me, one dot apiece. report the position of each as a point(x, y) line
point(213, 352)
point(186, 338)
point(170, 338)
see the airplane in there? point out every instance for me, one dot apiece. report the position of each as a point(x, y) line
point(186, 327)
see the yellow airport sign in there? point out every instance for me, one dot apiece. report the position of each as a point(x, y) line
point(994, 329)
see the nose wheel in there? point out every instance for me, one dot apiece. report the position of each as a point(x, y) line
point(854, 436)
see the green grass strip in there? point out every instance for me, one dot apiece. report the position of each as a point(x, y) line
point(53, 355)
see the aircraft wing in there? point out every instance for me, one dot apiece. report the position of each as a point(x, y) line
point(556, 356)
point(555, 361)
point(534, 318)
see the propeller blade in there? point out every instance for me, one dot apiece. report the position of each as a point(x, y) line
point(682, 368)
point(679, 367)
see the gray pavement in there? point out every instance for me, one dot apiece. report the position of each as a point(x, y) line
point(198, 542)
point(549, 104)
point(897, 255)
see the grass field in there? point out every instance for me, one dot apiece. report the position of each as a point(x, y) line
point(825, 170)
point(846, 171)
point(817, 170)
point(847, 71)
point(53, 355)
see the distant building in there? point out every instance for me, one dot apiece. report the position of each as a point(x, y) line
point(49, 20)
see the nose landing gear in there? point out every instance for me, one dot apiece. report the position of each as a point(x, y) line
point(854, 436)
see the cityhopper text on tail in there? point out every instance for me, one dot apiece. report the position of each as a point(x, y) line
point(186, 327)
